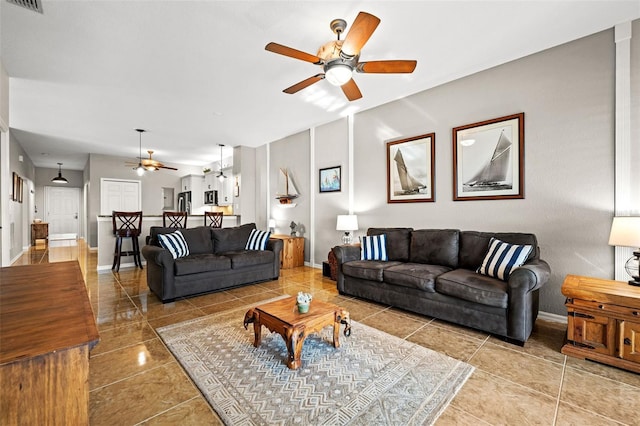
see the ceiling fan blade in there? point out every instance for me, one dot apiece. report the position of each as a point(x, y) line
point(303, 84)
point(351, 90)
point(162, 166)
point(361, 29)
point(293, 53)
point(383, 67)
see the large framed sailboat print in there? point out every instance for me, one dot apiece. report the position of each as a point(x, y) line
point(488, 159)
point(410, 169)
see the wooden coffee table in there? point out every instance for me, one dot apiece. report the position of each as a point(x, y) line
point(283, 318)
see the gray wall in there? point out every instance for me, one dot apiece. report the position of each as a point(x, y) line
point(331, 148)
point(292, 153)
point(19, 213)
point(567, 95)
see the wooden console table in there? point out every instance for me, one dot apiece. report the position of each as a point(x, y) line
point(47, 329)
point(603, 321)
point(39, 231)
point(292, 254)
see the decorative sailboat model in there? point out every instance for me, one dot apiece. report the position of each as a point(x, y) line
point(409, 184)
point(289, 191)
point(494, 174)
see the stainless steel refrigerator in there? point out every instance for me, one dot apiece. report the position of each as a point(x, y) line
point(184, 202)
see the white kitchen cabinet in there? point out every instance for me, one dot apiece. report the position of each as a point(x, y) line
point(225, 188)
point(193, 183)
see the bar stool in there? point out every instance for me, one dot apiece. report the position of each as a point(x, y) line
point(126, 225)
point(174, 219)
point(213, 219)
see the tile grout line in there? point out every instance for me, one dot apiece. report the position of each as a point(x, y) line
point(564, 369)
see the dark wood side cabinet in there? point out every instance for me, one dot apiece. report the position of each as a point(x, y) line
point(47, 329)
point(603, 321)
point(39, 231)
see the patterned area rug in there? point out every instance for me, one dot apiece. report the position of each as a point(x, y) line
point(372, 379)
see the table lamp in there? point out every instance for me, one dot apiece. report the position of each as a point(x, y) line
point(347, 223)
point(272, 226)
point(625, 232)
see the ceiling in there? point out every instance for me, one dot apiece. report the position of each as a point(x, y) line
point(85, 74)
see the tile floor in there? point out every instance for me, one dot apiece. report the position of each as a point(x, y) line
point(134, 379)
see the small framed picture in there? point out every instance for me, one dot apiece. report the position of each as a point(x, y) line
point(15, 187)
point(488, 159)
point(410, 169)
point(20, 189)
point(330, 179)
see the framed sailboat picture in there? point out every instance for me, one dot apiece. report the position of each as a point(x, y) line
point(410, 169)
point(488, 159)
point(329, 179)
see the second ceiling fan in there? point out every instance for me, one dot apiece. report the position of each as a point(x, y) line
point(340, 58)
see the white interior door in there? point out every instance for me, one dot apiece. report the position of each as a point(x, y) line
point(63, 211)
point(119, 195)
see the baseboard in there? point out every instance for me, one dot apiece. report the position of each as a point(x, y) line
point(107, 268)
point(547, 316)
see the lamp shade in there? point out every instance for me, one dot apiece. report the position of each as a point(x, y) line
point(625, 231)
point(272, 223)
point(347, 222)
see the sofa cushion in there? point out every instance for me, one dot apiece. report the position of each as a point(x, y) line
point(414, 275)
point(474, 246)
point(231, 239)
point(468, 285)
point(175, 243)
point(197, 263)
point(373, 247)
point(502, 258)
point(244, 258)
point(435, 247)
point(257, 240)
point(398, 240)
point(366, 269)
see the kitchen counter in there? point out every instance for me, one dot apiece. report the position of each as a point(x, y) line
point(106, 240)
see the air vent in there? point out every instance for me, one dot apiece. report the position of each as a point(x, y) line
point(35, 5)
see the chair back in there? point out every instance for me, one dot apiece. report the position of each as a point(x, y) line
point(126, 224)
point(213, 219)
point(174, 219)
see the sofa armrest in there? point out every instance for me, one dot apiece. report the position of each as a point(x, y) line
point(523, 297)
point(160, 272)
point(530, 276)
point(344, 253)
point(275, 245)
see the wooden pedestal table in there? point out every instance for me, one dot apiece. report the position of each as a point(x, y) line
point(47, 329)
point(282, 317)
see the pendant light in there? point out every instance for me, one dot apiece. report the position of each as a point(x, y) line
point(59, 178)
point(221, 177)
point(140, 169)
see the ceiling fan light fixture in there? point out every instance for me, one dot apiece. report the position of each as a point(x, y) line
point(139, 170)
point(338, 73)
point(59, 178)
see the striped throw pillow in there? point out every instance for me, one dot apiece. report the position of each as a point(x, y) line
point(502, 258)
point(257, 240)
point(373, 247)
point(175, 243)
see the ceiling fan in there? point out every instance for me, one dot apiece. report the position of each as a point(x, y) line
point(340, 58)
point(147, 164)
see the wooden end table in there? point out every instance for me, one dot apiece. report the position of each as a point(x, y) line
point(603, 321)
point(282, 317)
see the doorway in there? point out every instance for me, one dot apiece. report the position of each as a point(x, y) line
point(62, 212)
